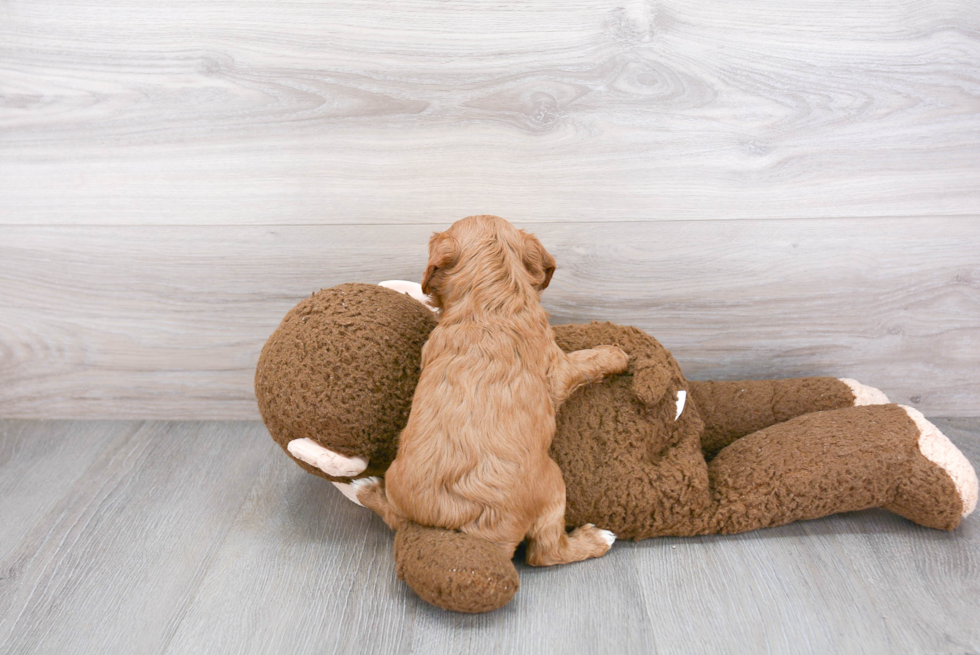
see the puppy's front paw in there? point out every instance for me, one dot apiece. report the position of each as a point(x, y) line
point(616, 359)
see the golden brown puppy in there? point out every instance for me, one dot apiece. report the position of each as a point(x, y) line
point(474, 454)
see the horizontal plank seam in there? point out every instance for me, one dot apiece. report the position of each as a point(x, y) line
point(429, 223)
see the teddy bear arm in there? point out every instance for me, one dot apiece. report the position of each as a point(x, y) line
point(731, 410)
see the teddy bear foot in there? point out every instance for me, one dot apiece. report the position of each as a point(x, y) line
point(865, 395)
point(331, 463)
point(939, 450)
point(940, 488)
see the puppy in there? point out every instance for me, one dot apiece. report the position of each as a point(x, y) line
point(474, 454)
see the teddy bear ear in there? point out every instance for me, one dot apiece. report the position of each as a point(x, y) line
point(538, 261)
point(650, 381)
point(443, 254)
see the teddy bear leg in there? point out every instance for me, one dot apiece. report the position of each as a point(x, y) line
point(731, 410)
point(547, 541)
point(838, 461)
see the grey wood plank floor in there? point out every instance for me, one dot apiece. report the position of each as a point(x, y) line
point(200, 537)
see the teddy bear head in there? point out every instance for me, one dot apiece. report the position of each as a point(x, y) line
point(341, 370)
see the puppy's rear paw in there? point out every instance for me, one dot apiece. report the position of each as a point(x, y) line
point(600, 540)
point(348, 490)
point(608, 536)
point(938, 449)
point(367, 488)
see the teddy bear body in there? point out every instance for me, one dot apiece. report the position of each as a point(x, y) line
point(644, 454)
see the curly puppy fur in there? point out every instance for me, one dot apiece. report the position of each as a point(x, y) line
point(474, 454)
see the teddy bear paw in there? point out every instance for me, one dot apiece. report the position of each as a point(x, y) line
point(865, 395)
point(938, 449)
point(331, 463)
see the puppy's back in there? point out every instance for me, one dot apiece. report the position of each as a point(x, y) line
point(482, 419)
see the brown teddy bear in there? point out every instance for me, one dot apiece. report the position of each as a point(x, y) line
point(643, 454)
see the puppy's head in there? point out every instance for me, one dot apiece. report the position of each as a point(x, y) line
point(482, 250)
point(444, 251)
point(538, 262)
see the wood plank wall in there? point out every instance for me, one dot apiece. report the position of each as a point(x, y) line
point(771, 189)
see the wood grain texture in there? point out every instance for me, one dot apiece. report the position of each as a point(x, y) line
point(210, 112)
point(203, 537)
point(116, 562)
point(39, 463)
point(153, 322)
point(319, 567)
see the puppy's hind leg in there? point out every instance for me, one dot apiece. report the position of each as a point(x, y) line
point(370, 492)
point(548, 543)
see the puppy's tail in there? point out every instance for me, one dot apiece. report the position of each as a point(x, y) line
point(370, 492)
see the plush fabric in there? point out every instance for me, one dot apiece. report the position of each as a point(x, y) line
point(463, 572)
point(829, 462)
point(732, 410)
point(342, 367)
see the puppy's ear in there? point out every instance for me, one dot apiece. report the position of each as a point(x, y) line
point(539, 262)
point(443, 253)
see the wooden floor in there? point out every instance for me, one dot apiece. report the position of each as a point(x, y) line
point(195, 537)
